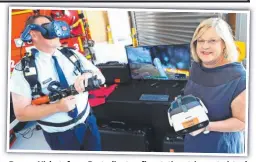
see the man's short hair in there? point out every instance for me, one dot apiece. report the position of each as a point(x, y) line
point(31, 19)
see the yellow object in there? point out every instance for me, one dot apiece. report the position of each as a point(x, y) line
point(21, 12)
point(241, 50)
point(76, 23)
point(110, 39)
point(88, 57)
point(186, 72)
point(81, 22)
point(134, 39)
point(80, 44)
point(87, 24)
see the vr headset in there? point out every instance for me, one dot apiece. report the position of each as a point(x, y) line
point(50, 30)
point(187, 114)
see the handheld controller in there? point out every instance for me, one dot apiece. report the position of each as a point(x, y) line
point(56, 93)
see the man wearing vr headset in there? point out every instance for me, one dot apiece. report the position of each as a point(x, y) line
point(65, 131)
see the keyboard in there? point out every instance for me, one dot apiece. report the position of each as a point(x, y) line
point(154, 97)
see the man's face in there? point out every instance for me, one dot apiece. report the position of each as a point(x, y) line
point(39, 40)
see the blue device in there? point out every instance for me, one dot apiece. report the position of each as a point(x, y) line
point(50, 30)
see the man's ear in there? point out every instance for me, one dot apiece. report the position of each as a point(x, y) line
point(33, 35)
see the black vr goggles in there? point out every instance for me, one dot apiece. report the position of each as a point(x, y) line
point(50, 30)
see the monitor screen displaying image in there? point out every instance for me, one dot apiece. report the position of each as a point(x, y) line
point(160, 62)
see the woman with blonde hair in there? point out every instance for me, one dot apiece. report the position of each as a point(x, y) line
point(220, 82)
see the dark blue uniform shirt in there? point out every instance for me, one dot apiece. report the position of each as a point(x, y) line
point(217, 88)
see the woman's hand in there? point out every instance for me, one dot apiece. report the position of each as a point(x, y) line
point(197, 132)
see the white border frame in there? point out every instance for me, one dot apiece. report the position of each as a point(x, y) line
point(134, 153)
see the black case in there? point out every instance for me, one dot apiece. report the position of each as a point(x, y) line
point(173, 143)
point(124, 105)
point(116, 136)
point(115, 72)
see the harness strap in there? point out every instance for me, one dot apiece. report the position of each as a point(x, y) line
point(30, 72)
point(67, 123)
point(72, 58)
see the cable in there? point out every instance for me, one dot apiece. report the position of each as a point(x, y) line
point(26, 132)
point(21, 49)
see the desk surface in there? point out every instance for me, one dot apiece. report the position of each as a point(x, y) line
point(132, 92)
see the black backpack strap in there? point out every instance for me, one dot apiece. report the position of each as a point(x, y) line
point(67, 51)
point(30, 72)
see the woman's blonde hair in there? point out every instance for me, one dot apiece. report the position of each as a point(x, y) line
point(223, 30)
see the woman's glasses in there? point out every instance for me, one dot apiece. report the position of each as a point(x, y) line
point(210, 42)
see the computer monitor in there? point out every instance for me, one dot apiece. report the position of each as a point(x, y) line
point(159, 62)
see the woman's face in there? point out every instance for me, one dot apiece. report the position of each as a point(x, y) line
point(210, 48)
